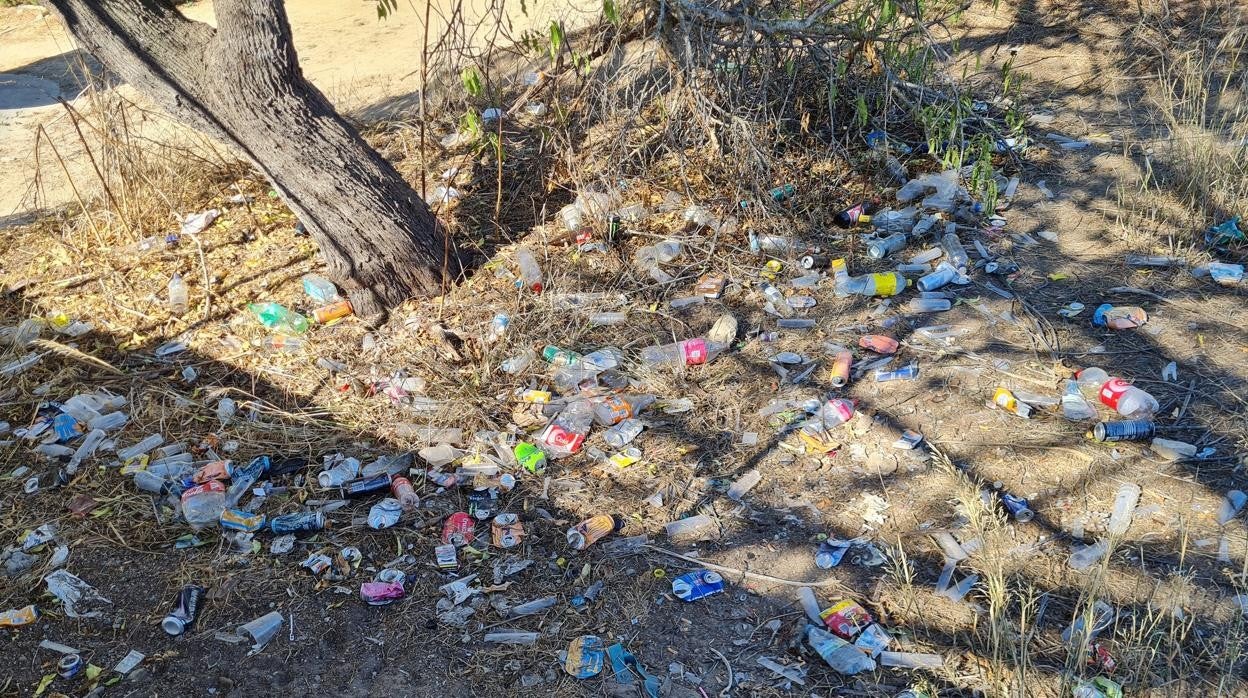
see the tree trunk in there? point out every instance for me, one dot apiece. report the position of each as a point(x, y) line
point(242, 84)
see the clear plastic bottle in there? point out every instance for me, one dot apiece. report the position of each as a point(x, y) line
point(842, 656)
point(278, 317)
point(623, 433)
point(85, 450)
point(689, 352)
point(319, 289)
point(530, 272)
point(518, 363)
point(616, 408)
point(830, 414)
point(776, 296)
point(955, 253)
point(179, 298)
point(610, 318)
point(883, 247)
point(203, 504)
point(1074, 406)
point(944, 274)
point(891, 221)
point(140, 448)
point(498, 327)
point(1124, 508)
point(1117, 394)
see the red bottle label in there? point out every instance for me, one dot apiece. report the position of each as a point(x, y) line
point(1113, 391)
point(556, 436)
point(210, 486)
point(694, 350)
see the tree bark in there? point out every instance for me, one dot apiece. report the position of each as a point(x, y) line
point(241, 83)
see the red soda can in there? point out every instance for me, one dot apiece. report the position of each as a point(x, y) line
point(458, 529)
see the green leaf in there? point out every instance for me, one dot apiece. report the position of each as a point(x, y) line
point(556, 40)
point(610, 11)
point(471, 78)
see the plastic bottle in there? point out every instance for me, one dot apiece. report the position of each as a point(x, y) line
point(842, 656)
point(85, 450)
point(559, 357)
point(140, 448)
point(225, 410)
point(320, 289)
point(178, 295)
point(203, 504)
point(518, 363)
point(895, 221)
point(882, 285)
point(1074, 406)
point(106, 422)
point(1117, 394)
point(277, 317)
point(623, 433)
point(776, 296)
point(928, 305)
point(1124, 508)
point(600, 319)
point(691, 528)
point(905, 373)
point(858, 213)
point(883, 247)
point(1006, 401)
point(616, 408)
point(530, 273)
point(944, 274)
point(830, 414)
point(689, 352)
point(566, 432)
point(955, 253)
point(498, 327)
point(810, 604)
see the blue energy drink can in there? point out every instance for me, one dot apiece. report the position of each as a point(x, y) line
point(297, 523)
point(692, 586)
point(1130, 430)
point(1017, 506)
point(366, 485)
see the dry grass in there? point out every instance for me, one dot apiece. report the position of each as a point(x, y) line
point(1175, 633)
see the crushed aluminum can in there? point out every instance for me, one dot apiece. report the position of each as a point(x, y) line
point(317, 563)
point(282, 544)
point(458, 529)
point(507, 531)
point(586, 657)
point(1017, 506)
point(69, 666)
point(694, 585)
point(446, 556)
point(239, 520)
point(384, 514)
point(908, 441)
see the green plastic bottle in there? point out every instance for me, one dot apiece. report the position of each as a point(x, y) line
point(278, 317)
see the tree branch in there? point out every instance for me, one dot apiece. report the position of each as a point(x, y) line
point(809, 25)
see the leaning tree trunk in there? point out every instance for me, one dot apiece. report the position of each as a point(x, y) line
point(241, 83)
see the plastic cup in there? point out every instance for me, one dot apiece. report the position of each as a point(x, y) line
point(262, 629)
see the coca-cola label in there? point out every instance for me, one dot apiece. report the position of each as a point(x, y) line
point(210, 486)
point(1112, 391)
point(694, 350)
point(558, 437)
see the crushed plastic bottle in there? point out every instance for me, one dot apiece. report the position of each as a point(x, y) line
point(1074, 406)
point(881, 285)
point(1117, 394)
point(828, 415)
point(1124, 508)
point(842, 656)
point(202, 505)
point(616, 408)
point(277, 317)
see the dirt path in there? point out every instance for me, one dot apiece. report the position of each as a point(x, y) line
point(357, 60)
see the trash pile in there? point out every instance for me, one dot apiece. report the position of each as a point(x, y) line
point(595, 404)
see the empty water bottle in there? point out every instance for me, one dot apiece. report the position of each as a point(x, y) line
point(882, 285)
point(623, 433)
point(883, 247)
point(278, 317)
point(942, 276)
point(321, 290)
point(689, 352)
point(530, 273)
point(178, 295)
point(1074, 406)
point(955, 253)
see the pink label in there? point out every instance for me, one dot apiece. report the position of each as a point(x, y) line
point(1112, 391)
point(695, 351)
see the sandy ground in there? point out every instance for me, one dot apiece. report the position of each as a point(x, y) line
point(357, 60)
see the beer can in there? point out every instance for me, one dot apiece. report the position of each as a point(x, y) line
point(530, 457)
point(458, 529)
point(187, 609)
point(694, 585)
point(69, 666)
point(1129, 430)
point(296, 523)
point(239, 520)
point(1017, 506)
point(333, 311)
point(317, 563)
point(584, 534)
point(814, 261)
point(507, 530)
point(366, 485)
